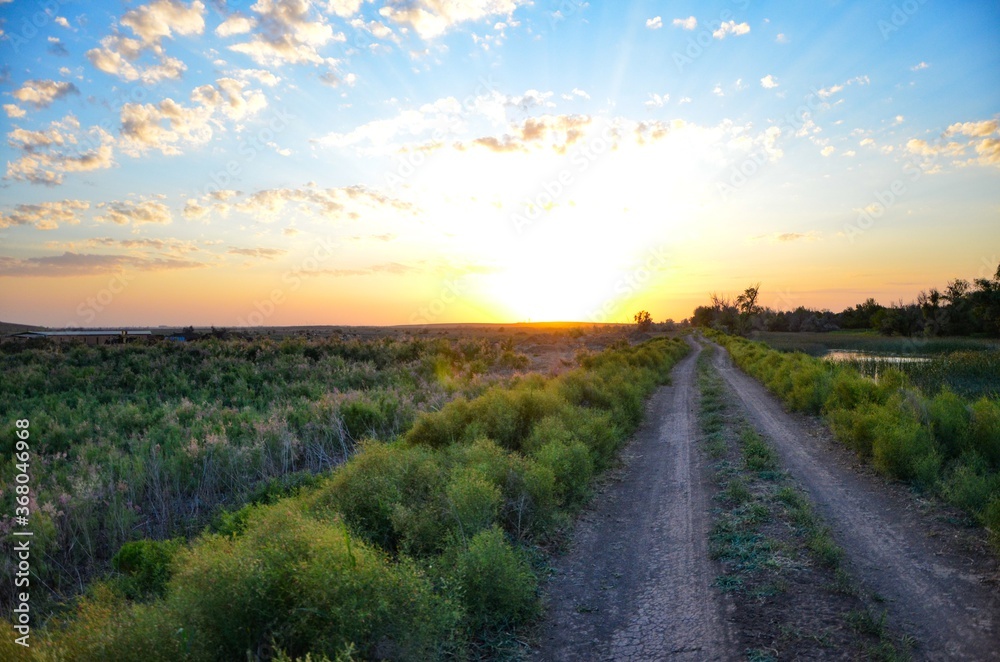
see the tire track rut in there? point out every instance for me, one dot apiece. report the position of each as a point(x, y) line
point(637, 581)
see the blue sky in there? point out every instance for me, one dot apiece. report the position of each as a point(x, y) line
point(391, 162)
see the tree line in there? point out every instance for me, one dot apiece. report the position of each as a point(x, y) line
point(962, 308)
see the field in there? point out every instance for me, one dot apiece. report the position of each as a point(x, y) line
point(452, 448)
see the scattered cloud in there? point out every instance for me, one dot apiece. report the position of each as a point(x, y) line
point(782, 38)
point(134, 213)
point(689, 23)
point(768, 82)
point(86, 264)
point(61, 147)
point(41, 93)
point(262, 253)
point(118, 54)
point(433, 18)
point(235, 24)
point(13, 111)
point(654, 23)
point(45, 215)
point(731, 27)
point(166, 126)
point(828, 150)
point(966, 143)
point(657, 101)
point(920, 66)
point(288, 32)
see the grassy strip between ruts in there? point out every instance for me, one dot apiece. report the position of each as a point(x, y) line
point(424, 548)
point(779, 562)
point(945, 444)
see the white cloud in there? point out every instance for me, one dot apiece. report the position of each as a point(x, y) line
point(654, 23)
point(62, 147)
point(781, 38)
point(433, 18)
point(920, 66)
point(13, 110)
point(162, 18)
point(262, 76)
point(731, 27)
point(828, 92)
point(768, 82)
point(973, 129)
point(118, 55)
point(167, 126)
point(288, 32)
point(45, 215)
point(657, 101)
point(61, 21)
point(343, 8)
point(828, 150)
point(41, 93)
point(235, 24)
point(134, 213)
point(689, 23)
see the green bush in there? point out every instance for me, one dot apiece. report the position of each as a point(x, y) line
point(497, 586)
point(304, 586)
point(970, 485)
point(473, 501)
point(984, 432)
point(950, 418)
point(146, 564)
point(904, 448)
point(572, 468)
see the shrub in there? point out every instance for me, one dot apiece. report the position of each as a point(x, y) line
point(146, 563)
point(904, 448)
point(984, 432)
point(303, 586)
point(497, 586)
point(970, 485)
point(950, 418)
point(571, 467)
point(388, 493)
point(473, 501)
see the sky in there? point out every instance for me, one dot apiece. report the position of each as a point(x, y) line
point(288, 162)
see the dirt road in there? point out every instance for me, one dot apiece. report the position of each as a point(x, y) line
point(937, 589)
point(637, 581)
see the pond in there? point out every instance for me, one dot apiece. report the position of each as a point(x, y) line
point(844, 355)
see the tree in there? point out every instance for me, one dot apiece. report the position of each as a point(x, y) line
point(643, 320)
point(746, 304)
